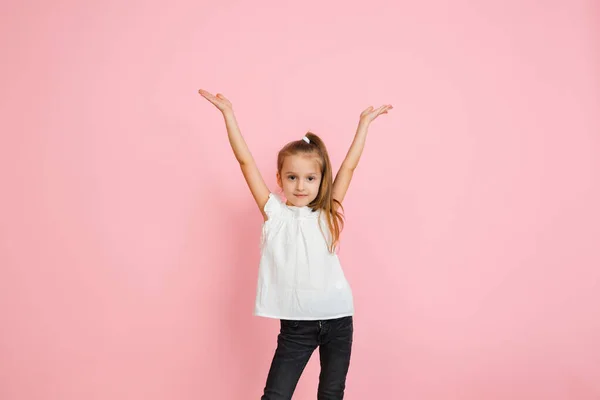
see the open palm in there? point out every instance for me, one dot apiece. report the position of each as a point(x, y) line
point(370, 113)
point(219, 100)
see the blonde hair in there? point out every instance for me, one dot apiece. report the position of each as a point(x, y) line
point(324, 200)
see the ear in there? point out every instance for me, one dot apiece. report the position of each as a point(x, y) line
point(279, 181)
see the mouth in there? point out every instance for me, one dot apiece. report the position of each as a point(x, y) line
point(301, 195)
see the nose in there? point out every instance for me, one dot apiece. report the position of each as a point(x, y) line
point(300, 184)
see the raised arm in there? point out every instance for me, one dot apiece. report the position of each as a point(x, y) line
point(252, 175)
point(344, 175)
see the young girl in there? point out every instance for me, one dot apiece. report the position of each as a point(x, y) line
point(300, 279)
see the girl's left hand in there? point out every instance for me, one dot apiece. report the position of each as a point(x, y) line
point(369, 114)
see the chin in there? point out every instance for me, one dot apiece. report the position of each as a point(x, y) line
point(300, 201)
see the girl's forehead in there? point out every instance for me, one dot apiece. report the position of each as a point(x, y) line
point(308, 164)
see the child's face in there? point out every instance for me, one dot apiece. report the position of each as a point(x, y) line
point(300, 179)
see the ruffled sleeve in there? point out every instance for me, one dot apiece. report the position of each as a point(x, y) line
point(273, 205)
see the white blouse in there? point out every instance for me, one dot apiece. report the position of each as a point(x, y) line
point(298, 278)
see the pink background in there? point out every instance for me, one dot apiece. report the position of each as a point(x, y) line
point(129, 241)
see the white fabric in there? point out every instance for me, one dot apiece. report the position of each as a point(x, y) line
point(298, 277)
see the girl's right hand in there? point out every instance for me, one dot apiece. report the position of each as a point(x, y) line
point(219, 101)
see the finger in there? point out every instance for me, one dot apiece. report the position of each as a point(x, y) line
point(208, 97)
point(380, 110)
point(211, 98)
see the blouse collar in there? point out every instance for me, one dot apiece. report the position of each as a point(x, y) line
point(301, 211)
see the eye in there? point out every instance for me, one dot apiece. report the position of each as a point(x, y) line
point(291, 177)
point(312, 178)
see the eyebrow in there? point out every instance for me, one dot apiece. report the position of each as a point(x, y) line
point(294, 173)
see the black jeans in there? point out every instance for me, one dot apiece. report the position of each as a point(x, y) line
point(295, 344)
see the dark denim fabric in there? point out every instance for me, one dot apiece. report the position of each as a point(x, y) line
point(295, 344)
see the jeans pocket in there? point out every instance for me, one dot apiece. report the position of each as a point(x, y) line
point(346, 324)
point(289, 323)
